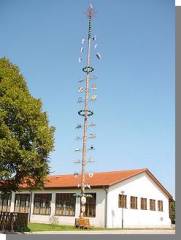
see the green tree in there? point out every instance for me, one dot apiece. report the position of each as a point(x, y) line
point(172, 211)
point(26, 139)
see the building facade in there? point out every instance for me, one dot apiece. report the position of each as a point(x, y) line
point(119, 199)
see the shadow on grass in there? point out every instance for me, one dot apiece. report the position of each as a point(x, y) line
point(17, 230)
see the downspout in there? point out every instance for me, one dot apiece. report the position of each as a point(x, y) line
point(105, 221)
point(30, 206)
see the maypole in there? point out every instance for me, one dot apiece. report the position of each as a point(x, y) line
point(87, 91)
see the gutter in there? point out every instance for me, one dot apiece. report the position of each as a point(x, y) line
point(105, 219)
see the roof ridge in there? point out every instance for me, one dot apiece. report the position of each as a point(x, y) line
point(63, 174)
point(125, 170)
point(113, 171)
point(128, 177)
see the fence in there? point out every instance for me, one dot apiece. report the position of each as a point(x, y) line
point(12, 221)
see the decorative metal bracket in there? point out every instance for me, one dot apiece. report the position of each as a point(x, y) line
point(82, 113)
point(88, 69)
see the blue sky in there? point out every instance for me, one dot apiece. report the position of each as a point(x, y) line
point(135, 107)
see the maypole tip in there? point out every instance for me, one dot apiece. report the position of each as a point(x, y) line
point(90, 10)
point(90, 5)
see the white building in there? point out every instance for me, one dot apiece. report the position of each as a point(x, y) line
point(129, 199)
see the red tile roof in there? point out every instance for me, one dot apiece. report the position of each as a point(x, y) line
point(99, 179)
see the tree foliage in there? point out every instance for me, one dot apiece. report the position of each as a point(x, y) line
point(172, 211)
point(26, 139)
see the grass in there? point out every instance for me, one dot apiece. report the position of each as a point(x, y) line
point(38, 227)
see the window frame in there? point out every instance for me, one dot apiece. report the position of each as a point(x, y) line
point(133, 204)
point(152, 205)
point(67, 202)
point(144, 203)
point(5, 204)
point(160, 205)
point(91, 203)
point(39, 209)
point(122, 201)
point(18, 207)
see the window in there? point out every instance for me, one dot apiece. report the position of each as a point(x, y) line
point(22, 203)
point(160, 205)
point(143, 203)
point(133, 202)
point(152, 205)
point(65, 204)
point(90, 206)
point(42, 203)
point(122, 201)
point(5, 202)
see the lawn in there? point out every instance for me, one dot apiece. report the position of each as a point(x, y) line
point(36, 227)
